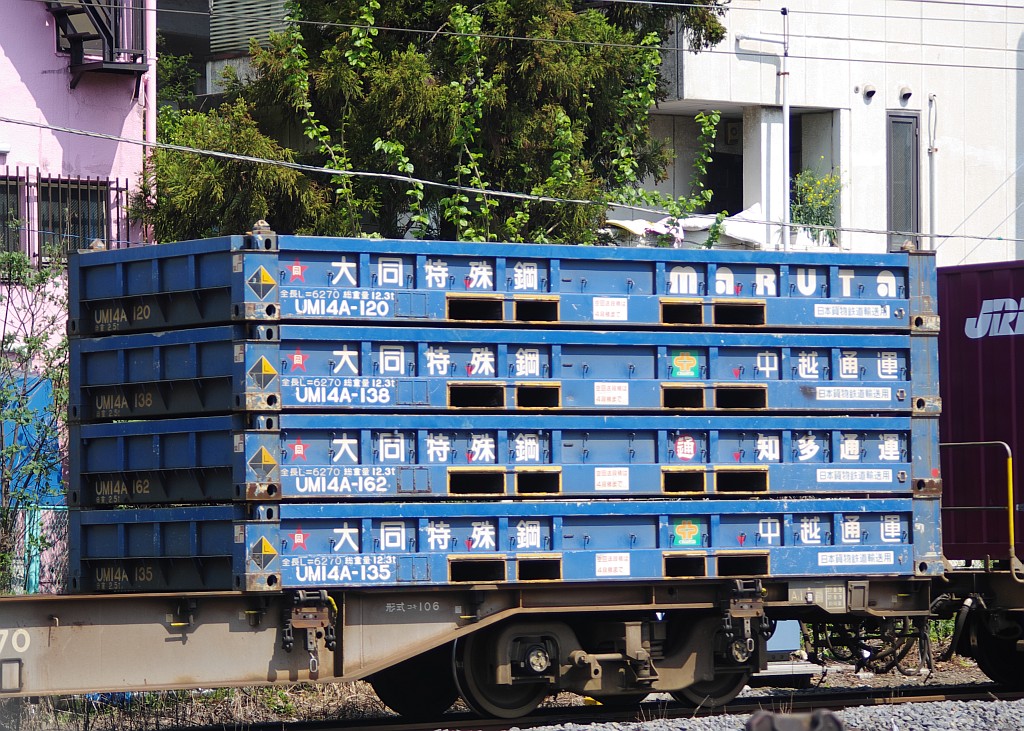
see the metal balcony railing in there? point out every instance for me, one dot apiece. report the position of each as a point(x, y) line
point(106, 36)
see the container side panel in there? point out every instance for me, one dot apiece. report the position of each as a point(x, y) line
point(982, 352)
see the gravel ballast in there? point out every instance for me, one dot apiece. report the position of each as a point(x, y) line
point(934, 716)
point(938, 716)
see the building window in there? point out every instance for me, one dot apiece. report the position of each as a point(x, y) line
point(11, 221)
point(72, 213)
point(903, 218)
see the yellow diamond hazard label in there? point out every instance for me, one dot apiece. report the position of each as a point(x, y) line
point(262, 553)
point(262, 374)
point(262, 463)
point(262, 283)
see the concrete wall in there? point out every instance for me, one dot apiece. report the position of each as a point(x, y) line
point(961, 63)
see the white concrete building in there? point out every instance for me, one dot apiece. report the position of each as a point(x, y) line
point(918, 103)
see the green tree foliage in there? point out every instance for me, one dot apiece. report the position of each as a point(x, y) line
point(545, 97)
point(699, 197)
point(199, 196)
point(176, 76)
point(814, 201)
point(33, 401)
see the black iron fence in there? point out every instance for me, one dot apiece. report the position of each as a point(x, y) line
point(43, 214)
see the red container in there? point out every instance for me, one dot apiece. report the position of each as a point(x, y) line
point(981, 366)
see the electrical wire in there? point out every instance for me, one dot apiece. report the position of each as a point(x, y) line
point(725, 5)
point(979, 206)
point(77, 240)
point(476, 191)
point(306, 168)
point(663, 48)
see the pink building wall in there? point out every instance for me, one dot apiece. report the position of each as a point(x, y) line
point(35, 86)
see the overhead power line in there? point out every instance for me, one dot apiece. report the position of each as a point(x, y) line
point(448, 186)
point(299, 166)
point(675, 48)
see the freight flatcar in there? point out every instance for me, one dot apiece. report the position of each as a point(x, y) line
point(489, 471)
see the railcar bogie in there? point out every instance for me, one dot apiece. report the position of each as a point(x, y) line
point(994, 640)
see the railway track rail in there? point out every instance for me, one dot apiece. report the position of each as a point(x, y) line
point(802, 701)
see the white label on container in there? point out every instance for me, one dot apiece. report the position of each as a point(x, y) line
point(611, 308)
point(239, 442)
point(611, 564)
point(857, 558)
point(852, 393)
point(871, 312)
point(854, 475)
point(611, 479)
point(239, 353)
point(611, 394)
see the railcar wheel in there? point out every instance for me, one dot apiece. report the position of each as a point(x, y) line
point(715, 693)
point(996, 656)
point(421, 688)
point(474, 678)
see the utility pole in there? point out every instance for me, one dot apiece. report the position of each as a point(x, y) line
point(783, 75)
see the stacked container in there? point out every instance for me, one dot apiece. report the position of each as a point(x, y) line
point(265, 413)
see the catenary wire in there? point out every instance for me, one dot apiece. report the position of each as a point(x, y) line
point(505, 194)
point(299, 166)
point(724, 6)
point(668, 48)
point(977, 208)
point(476, 191)
point(728, 6)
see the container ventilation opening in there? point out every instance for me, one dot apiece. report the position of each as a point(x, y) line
point(684, 567)
point(463, 308)
point(729, 313)
point(475, 570)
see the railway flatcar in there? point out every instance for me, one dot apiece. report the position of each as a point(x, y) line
point(497, 471)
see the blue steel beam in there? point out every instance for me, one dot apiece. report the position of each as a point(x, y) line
point(379, 544)
point(367, 456)
point(350, 280)
point(312, 367)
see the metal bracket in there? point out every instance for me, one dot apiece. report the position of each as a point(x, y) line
point(745, 607)
point(255, 615)
point(930, 487)
point(184, 614)
point(746, 600)
point(314, 612)
point(923, 322)
point(261, 238)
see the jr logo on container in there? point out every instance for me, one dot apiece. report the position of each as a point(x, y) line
point(996, 317)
